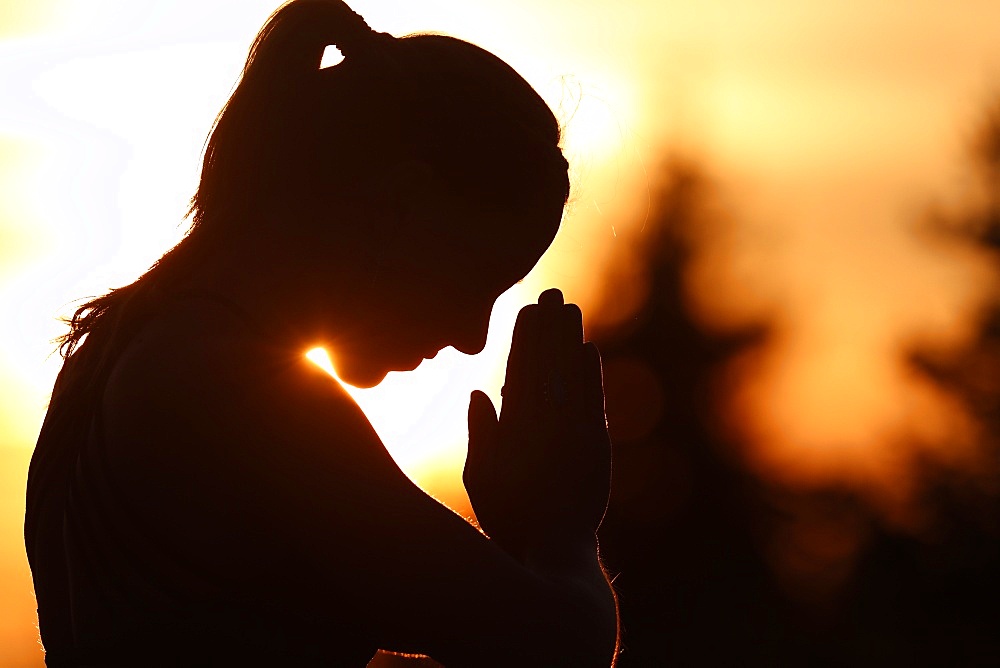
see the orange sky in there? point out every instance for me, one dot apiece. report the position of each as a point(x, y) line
point(828, 125)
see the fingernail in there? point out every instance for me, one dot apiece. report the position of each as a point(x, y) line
point(551, 297)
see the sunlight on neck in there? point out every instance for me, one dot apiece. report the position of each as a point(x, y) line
point(321, 358)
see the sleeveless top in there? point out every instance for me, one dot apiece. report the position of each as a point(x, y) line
point(111, 592)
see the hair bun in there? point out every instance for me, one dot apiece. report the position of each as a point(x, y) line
point(355, 35)
point(295, 36)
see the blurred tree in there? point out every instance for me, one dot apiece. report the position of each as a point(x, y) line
point(973, 373)
point(946, 581)
point(679, 531)
point(715, 567)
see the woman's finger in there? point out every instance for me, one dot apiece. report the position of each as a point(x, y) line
point(593, 382)
point(551, 297)
point(522, 386)
point(564, 340)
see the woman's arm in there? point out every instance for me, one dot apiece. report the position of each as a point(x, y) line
point(262, 468)
point(422, 577)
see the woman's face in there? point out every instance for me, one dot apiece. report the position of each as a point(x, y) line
point(431, 290)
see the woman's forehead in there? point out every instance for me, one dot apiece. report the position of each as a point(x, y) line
point(500, 243)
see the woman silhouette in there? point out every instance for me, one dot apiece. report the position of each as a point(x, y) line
point(202, 495)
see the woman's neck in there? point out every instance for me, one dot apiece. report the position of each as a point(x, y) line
point(298, 296)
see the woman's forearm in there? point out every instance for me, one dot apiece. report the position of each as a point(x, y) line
point(589, 606)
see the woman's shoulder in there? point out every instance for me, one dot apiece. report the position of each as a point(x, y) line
point(201, 388)
point(198, 387)
point(208, 424)
point(190, 340)
point(197, 354)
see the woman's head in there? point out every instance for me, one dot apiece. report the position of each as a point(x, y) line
point(294, 135)
point(428, 161)
point(424, 165)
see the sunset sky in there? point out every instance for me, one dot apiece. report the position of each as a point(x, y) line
point(829, 128)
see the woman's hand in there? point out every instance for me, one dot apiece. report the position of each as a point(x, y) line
point(539, 477)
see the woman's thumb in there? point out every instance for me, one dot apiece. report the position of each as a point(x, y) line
point(483, 425)
point(482, 417)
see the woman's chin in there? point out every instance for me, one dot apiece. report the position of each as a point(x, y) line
point(361, 376)
point(365, 383)
point(365, 377)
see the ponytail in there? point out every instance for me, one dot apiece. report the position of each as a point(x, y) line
point(295, 36)
point(270, 120)
point(284, 59)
